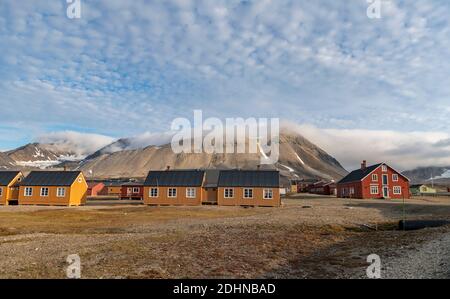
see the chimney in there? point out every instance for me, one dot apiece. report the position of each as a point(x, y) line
point(168, 167)
point(364, 165)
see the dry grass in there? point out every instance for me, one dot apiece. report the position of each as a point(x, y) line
point(100, 221)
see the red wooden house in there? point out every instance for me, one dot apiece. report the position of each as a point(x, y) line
point(323, 188)
point(132, 190)
point(95, 188)
point(375, 182)
point(304, 185)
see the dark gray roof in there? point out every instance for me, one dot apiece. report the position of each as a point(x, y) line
point(113, 183)
point(211, 178)
point(249, 178)
point(359, 174)
point(131, 184)
point(175, 178)
point(7, 176)
point(50, 178)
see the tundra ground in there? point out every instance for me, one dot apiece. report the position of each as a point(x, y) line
point(309, 237)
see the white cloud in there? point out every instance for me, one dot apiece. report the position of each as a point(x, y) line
point(403, 150)
point(128, 67)
point(80, 144)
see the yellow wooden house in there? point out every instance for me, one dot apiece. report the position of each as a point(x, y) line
point(9, 189)
point(53, 188)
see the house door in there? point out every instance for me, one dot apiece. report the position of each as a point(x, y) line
point(211, 195)
point(386, 192)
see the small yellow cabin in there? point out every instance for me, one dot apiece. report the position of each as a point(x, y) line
point(9, 189)
point(53, 188)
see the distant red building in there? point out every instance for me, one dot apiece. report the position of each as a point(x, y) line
point(95, 188)
point(304, 185)
point(374, 182)
point(132, 191)
point(323, 188)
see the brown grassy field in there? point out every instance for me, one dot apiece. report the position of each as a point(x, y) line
point(309, 237)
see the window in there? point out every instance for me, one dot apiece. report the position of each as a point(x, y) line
point(1, 191)
point(61, 192)
point(268, 194)
point(248, 193)
point(395, 177)
point(374, 177)
point(44, 192)
point(190, 193)
point(153, 192)
point(352, 190)
point(172, 192)
point(80, 180)
point(229, 193)
point(384, 168)
point(397, 190)
point(385, 179)
point(28, 191)
point(374, 190)
point(135, 190)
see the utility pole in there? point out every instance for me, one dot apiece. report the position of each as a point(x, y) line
point(404, 213)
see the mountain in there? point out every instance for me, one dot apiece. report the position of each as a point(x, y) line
point(131, 157)
point(40, 155)
point(299, 158)
point(6, 162)
point(424, 175)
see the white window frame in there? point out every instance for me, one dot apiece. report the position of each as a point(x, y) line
point(191, 193)
point(352, 191)
point(267, 192)
point(26, 193)
point(374, 177)
point(395, 177)
point(42, 191)
point(152, 194)
point(135, 189)
point(59, 193)
point(80, 180)
point(384, 168)
point(397, 190)
point(227, 191)
point(1, 191)
point(170, 194)
point(373, 188)
point(248, 193)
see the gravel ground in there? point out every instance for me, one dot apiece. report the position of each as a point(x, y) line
point(429, 260)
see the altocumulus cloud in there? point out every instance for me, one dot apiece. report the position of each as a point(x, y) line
point(128, 67)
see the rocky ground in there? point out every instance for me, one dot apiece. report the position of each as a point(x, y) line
point(309, 237)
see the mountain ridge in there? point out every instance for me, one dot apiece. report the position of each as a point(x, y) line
point(299, 158)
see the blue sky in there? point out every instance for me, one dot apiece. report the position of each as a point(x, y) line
point(130, 67)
